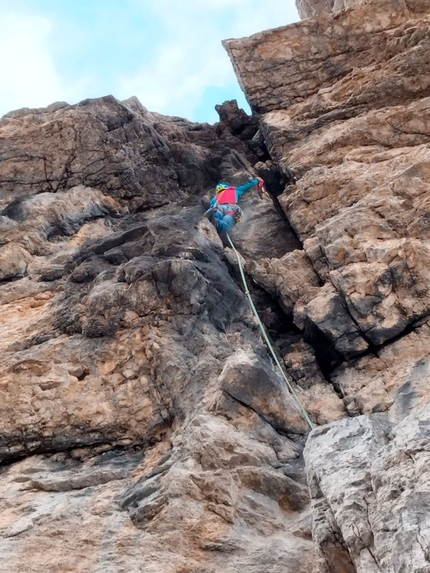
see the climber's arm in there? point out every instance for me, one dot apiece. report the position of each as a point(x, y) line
point(241, 189)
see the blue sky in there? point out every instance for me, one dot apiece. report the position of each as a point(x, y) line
point(168, 53)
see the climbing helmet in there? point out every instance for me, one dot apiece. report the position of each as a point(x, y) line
point(221, 186)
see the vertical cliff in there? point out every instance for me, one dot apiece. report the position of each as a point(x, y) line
point(143, 424)
point(343, 100)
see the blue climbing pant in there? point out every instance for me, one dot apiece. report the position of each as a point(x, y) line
point(222, 221)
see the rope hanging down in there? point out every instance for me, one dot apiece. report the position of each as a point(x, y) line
point(266, 336)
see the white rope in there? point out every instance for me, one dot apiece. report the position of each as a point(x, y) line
point(266, 337)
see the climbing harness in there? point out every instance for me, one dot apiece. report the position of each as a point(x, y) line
point(236, 211)
point(266, 336)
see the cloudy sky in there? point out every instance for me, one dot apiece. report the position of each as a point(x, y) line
point(166, 52)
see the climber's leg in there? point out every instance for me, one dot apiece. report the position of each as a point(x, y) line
point(217, 217)
point(225, 223)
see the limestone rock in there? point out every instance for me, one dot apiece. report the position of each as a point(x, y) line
point(267, 395)
point(343, 99)
point(378, 519)
point(128, 423)
point(354, 132)
point(313, 63)
point(142, 421)
point(206, 497)
point(395, 379)
point(99, 144)
point(313, 8)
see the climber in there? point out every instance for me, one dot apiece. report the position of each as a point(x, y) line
point(224, 212)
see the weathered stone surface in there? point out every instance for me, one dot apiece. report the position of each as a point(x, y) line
point(351, 123)
point(396, 379)
point(100, 144)
point(378, 519)
point(343, 104)
point(209, 497)
point(127, 317)
point(313, 8)
point(267, 395)
point(139, 158)
point(130, 361)
point(309, 63)
point(143, 425)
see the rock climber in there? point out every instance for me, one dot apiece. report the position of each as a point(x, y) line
point(224, 212)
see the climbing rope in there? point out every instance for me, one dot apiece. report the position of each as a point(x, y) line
point(266, 336)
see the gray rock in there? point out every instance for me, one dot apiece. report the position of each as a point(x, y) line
point(369, 503)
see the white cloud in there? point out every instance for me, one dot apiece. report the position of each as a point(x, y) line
point(187, 58)
point(27, 71)
point(193, 60)
point(177, 77)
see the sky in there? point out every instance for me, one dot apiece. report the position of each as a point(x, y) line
point(168, 53)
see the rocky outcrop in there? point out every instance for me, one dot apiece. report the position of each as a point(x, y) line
point(314, 8)
point(353, 131)
point(344, 106)
point(143, 425)
point(378, 520)
point(141, 417)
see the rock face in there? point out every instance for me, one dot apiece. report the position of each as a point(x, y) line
point(343, 102)
point(143, 426)
point(354, 132)
point(142, 420)
point(314, 8)
point(379, 519)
